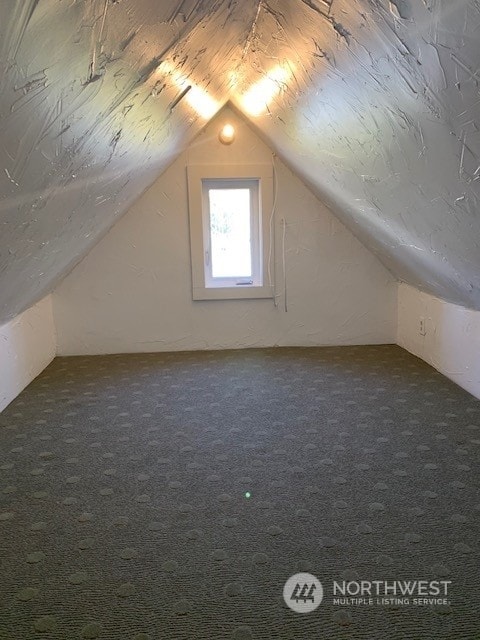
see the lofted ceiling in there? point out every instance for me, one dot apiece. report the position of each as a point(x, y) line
point(374, 104)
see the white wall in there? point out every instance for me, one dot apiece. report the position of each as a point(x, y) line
point(132, 293)
point(27, 346)
point(452, 340)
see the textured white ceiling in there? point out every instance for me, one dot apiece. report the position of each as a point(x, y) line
point(376, 105)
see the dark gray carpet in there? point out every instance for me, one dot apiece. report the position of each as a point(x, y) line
point(123, 512)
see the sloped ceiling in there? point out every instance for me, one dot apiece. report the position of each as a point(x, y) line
point(375, 104)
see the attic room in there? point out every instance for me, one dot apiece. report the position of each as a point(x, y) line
point(239, 319)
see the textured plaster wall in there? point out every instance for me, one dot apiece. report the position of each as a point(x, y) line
point(133, 290)
point(91, 111)
point(376, 107)
point(380, 114)
point(451, 342)
point(27, 346)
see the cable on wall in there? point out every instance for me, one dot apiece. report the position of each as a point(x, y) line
point(284, 264)
point(272, 229)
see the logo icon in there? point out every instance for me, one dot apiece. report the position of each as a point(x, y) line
point(303, 592)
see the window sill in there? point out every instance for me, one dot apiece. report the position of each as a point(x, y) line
point(232, 293)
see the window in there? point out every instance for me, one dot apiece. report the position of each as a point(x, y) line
point(231, 225)
point(230, 209)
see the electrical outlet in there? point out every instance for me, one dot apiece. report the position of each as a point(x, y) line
point(422, 326)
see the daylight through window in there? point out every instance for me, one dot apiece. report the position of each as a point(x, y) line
point(230, 233)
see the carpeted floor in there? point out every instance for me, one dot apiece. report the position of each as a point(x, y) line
point(123, 508)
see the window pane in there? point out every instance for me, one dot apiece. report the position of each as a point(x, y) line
point(231, 253)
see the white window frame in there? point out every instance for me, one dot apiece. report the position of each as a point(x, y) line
point(259, 180)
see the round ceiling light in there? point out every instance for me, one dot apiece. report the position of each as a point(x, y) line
point(227, 134)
